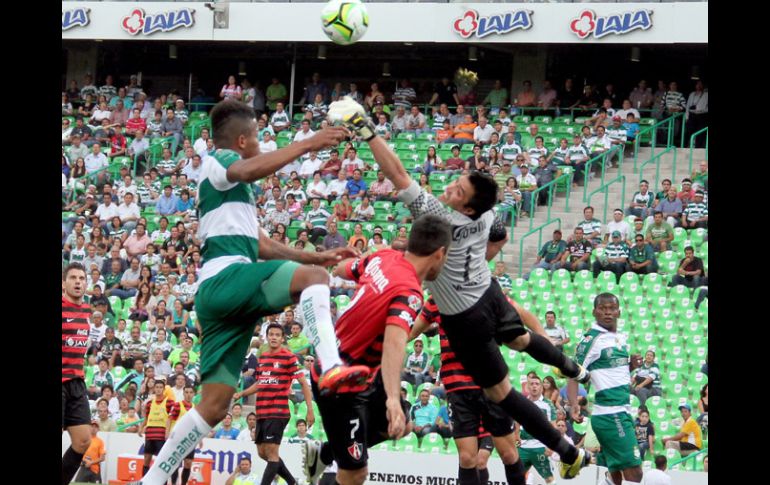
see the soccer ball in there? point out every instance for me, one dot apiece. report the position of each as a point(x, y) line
point(344, 21)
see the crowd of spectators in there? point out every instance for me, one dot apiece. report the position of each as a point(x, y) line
point(134, 227)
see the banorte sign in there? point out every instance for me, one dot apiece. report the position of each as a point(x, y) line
point(588, 23)
point(138, 22)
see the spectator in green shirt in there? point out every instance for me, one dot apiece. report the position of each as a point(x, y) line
point(276, 93)
point(549, 256)
point(502, 277)
point(660, 233)
point(496, 98)
point(642, 257)
point(298, 342)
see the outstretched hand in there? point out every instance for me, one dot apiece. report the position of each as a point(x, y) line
point(328, 137)
point(334, 256)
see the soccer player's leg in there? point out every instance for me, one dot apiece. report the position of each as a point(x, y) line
point(512, 322)
point(482, 458)
point(227, 315)
point(76, 419)
point(465, 410)
point(502, 427)
point(476, 348)
point(310, 285)
point(617, 438)
point(268, 438)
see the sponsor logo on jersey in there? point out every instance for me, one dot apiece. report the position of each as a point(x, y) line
point(379, 281)
point(355, 450)
point(414, 303)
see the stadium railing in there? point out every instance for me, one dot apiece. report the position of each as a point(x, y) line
point(601, 158)
point(539, 231)
point(605, 189)
point(687, 458)
point(551, 187)
point(657, 159)
point(692, 143)
point(653, 129)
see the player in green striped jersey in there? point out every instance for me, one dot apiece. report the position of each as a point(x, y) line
point(604, 352)
point(237, 286)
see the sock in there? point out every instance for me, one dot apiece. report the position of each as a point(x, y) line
point(327, 455)
point(70, 462)
point(185, 475)
point(534, 421)
point(271, 470)
point(484, 476)
point(314, 305)
point(469, 476)
point(183, 439)
point(284, 473)
point(174, 476)
point(515, 473)
point(145, 469)
point(544, 351)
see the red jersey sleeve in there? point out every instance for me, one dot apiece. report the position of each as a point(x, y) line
point(174, 413)
point(170, 405)
point(294, 367)
point(355, 268)
point(147, 408)
point(403, 308)
point(430, 311)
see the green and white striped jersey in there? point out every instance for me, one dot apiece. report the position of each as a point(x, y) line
point(605, 355)
point(510, 151)
point(614, 251)
point(559, 154)
point(695, 211)
point(547, 407)
point(578, 153)
point(229, 228)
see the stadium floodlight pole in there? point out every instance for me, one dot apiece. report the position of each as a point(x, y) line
point(291, 82)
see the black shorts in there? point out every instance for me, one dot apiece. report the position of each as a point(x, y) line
point(469, 409)
point(476, 334)
point(270, 430)
point(152, 447)
point(487, 444)
point(355, 422)
point(190, 456)
point(75, 409)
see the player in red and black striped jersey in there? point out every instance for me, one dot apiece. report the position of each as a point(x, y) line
point(373, 331)
point(468, 409)
point(157, 422)
point(276, 368)
point(179, 409)
point(75, 410)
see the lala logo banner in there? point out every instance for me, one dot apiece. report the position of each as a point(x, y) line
point(138, 22)
point(471, 23)
point(588, 23)
point(77, 17)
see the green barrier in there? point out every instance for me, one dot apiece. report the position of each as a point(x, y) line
point(538, 230)
point(601, 158)
point(688, 457)
point(692, 141)
point(605, 189)
point(128, 425)
point(654, 129)
point(657, 159)
point(550, 186)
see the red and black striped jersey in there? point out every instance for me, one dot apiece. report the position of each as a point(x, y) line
point(74, 338)
point(275, 372)
point(157, 420)
point(176, 411)
point(390, 294)
point(453, 374)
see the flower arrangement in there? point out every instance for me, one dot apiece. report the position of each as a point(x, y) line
point(465, 80)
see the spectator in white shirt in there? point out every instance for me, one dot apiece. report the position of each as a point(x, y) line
point(618, 224)
point(316, 187)
point(106, 210)
point(200, 144)
point(483, 132)
point(310, 166)
point(305, 132)
point(267, 144)
point(280, 119)
point(337, 187)
point(657, 476)
point(415, 121)
point(352, 162)
point(623, 113)
point(95, 161)
point(128, 212)
point(193, 169)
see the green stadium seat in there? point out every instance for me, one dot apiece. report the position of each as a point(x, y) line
point(583, 275)
point(697, 236)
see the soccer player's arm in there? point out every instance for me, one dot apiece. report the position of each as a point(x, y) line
point(143, 424)
point(498, 236)
point(351, 268)
point(400, 316)
point(584, 355)
point(252, 169)
point(306, 393)
point(420, 325)
point(271, 249)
